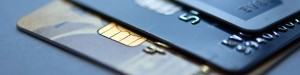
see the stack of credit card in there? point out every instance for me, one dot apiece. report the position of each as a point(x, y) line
point(164, 37)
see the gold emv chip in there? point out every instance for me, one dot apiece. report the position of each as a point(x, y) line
point(121, 35)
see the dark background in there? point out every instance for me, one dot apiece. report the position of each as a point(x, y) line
point(21, 54)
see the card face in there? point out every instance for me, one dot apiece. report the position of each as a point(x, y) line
point(200, 38)
point(248, 15)
point(67, 26)
point(164, 7)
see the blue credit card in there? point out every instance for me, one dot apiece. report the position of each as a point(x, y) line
point(201, 38)
point(248, 15)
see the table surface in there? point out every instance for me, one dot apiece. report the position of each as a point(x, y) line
point(21, 54)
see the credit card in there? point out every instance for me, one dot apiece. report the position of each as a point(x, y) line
point(200, 38)
point(248, 15)
point(71, 28)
